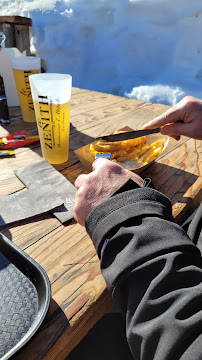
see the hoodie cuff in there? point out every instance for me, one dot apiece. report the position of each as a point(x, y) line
point(139, 202)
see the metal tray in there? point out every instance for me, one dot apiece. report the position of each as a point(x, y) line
point(25, 294)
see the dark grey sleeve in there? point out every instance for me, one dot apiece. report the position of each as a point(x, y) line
point(153, 271)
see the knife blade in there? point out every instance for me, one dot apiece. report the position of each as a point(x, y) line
point(128, 135)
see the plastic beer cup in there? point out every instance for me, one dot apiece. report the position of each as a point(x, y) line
point(51, 95)
point(23, 66)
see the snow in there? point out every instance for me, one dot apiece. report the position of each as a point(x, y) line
point(150, 50)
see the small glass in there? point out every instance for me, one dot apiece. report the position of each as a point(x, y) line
point(23, 66)
point(52, 95)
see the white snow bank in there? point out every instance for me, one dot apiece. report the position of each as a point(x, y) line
point(147, 49)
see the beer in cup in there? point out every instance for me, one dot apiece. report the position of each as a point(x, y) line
point(23, 66)
point(51, 94)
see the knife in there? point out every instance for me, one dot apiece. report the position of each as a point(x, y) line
point(128, 135)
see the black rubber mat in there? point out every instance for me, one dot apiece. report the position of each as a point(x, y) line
point(24, 297)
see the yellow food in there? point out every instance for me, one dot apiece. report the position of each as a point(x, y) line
point(134, 149)
point(104, 146)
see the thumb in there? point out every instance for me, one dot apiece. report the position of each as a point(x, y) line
point(172, 115)
point(177, 129)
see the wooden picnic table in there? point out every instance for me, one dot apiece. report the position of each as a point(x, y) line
point(79, 294)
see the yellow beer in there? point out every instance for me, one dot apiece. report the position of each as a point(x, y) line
point(51, 94)
point(53, 121)
point(24, 93)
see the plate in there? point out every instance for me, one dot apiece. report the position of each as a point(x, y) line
point(130, 165)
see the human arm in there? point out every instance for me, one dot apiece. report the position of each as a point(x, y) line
point(152, 270)
point(185, 118)
point(92, 189)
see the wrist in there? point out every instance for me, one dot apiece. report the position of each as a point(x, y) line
point(137, 202)
point(131, 184)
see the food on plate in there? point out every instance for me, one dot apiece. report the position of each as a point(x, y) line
point(112, 146)
point(136, 150)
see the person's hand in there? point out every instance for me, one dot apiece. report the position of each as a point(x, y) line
point(99, 185)
point(185, 118)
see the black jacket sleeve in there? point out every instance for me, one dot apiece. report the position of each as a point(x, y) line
point(153, 271)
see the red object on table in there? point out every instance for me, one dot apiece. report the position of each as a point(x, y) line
point(14, 141)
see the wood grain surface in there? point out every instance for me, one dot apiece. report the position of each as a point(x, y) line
point(79, 294)
point(17, 32)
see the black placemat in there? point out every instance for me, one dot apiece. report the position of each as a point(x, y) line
point(42, 173)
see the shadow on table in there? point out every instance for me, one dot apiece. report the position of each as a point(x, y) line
point(77, 139)
point(174, 183)
point(16, 124)
point(171, 181)
point(33, 234)
point(106, 340)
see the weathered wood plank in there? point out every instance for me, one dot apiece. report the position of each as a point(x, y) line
point(10, 19)
point(26, 233)
point(125, 113)
point(79, 294)
point(57, 243)
point(49, 345)
point(188, 200)
point(22, 38)
point(78, 91)
point(78, 139)
point(91, 100)
point(179, 173)
point(14, 112)
point(17, 124)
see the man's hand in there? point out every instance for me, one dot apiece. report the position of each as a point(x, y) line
point(92, 189)
point(185, 118)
